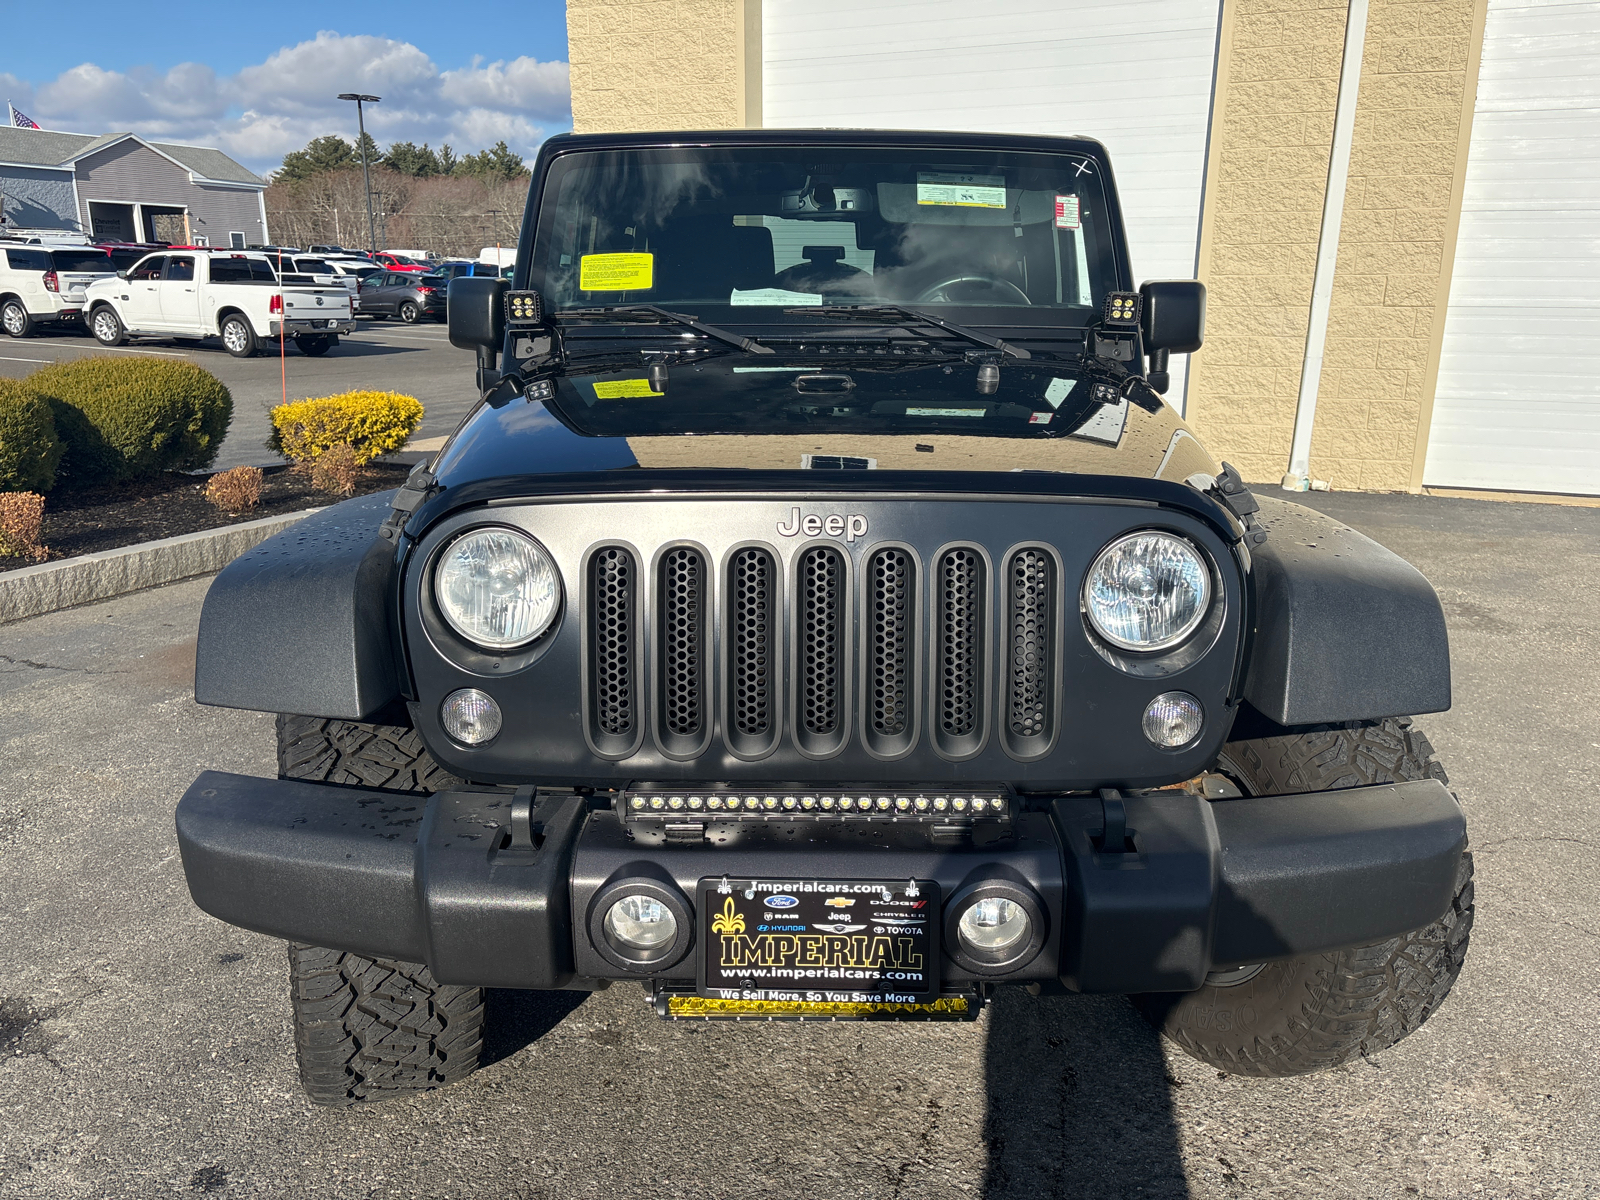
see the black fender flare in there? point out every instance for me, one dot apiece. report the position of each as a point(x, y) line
point(301, 623)
point(1343, 629)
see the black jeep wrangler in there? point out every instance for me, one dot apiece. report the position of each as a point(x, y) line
point(822, 616)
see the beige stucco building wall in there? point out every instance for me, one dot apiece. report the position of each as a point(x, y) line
point(1272, 133)
point(664, 64)
point(1397, 242)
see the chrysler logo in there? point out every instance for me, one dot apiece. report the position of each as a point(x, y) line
point(849, 526)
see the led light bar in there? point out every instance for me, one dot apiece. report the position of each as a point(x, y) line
point(717, 804)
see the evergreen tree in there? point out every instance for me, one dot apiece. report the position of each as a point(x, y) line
point(446, 159)
point(374, 155)
point(407, 159)
point(492, 164)
point(331, 153)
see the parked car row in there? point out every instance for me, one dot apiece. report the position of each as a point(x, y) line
point(116, 290)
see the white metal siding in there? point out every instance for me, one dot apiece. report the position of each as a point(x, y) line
point(1518, 401)
point(1136, 74)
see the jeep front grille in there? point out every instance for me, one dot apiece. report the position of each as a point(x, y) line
point(1030, 588)
point(682, 644)
point(821, 636)
point(611, 645)
point(825, 652)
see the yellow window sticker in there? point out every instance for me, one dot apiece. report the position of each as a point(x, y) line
point(961, 191)
point(623, 389)
point(616, 272)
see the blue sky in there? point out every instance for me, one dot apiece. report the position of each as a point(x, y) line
point(259, 81)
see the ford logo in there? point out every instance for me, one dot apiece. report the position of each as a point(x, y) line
point(781, 901)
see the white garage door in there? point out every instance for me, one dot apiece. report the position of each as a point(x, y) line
point(1518, 402)
point(1136, 74)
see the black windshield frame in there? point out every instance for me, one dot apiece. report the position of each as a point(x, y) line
point(1111, 265)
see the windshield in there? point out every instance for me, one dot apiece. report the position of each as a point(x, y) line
point(988, 237)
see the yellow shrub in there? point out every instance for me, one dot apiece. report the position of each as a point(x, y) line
point(371, 423)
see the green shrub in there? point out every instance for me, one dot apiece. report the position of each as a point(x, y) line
point(30, 450)
point(131, 418)
point(369, 423)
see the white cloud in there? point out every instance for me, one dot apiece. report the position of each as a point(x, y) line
point(280, 104)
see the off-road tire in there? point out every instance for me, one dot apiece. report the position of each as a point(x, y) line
point(15, 319)
point(374, 756)
point(1307, 1014)
point(369, 1029)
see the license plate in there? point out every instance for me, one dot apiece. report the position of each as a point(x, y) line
point(820, 941)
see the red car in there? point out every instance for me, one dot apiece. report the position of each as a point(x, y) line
point(396, 263)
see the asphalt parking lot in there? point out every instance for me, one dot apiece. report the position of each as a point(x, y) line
point(384, 355)
point(145, 1052)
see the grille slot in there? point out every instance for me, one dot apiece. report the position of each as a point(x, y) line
point(611, 641)
point(820, 624)
point(960, 669)
point(1030, 617)
point(890, 600)
point(752, 653)
point(681, 632)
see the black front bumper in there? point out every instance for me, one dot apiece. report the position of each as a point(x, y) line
point(492, 893)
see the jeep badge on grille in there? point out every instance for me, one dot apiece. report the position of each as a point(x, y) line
point(849, 526)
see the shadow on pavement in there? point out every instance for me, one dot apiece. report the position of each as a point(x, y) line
point(516, 1019)
point(1079, 1100)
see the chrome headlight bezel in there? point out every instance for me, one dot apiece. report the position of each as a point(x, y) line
point(1209, 590)
point(478, 637)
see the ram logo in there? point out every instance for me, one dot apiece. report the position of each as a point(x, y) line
point(849, 526)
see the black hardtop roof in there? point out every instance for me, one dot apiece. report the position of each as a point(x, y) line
point(898, 138)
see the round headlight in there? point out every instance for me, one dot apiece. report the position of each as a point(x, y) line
point(1147, 591)
point(641, 923)
point(497, 587)
point(994, 924)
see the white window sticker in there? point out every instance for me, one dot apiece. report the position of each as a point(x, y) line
point(1041, 418)
point(774, 296)
point(1067, 212)
point(1057, 391)
point(945, 412)
point(1106, 425)
point(961, 191)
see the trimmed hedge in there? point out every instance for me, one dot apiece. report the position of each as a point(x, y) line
point(132, 418)
point(30, 450)
point(370, 423)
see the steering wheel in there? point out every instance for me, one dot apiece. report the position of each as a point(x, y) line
point(940, 292)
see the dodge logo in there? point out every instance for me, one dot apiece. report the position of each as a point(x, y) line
point(849, 526)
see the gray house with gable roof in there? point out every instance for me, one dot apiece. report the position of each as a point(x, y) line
point(121, 187)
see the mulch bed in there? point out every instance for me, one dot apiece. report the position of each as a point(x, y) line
point(88, 520)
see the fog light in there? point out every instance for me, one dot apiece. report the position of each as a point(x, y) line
point(641, 923)
point(994, 925)
point(1173, 719)
point(470, 716)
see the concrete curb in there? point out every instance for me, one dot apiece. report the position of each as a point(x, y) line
point(31, 591)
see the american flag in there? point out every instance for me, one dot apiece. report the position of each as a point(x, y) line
point(20, 120)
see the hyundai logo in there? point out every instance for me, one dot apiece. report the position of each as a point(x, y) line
point(781, 901)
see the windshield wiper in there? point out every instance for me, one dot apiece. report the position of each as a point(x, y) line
point(634, 312)
point(878, 312)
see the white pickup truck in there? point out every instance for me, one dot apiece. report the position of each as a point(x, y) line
point(233, 295)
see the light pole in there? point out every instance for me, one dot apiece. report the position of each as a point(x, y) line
point(366, 177)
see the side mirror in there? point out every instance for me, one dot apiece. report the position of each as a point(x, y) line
point(1173, 321)
point(1174, 315)
point(477, 313)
